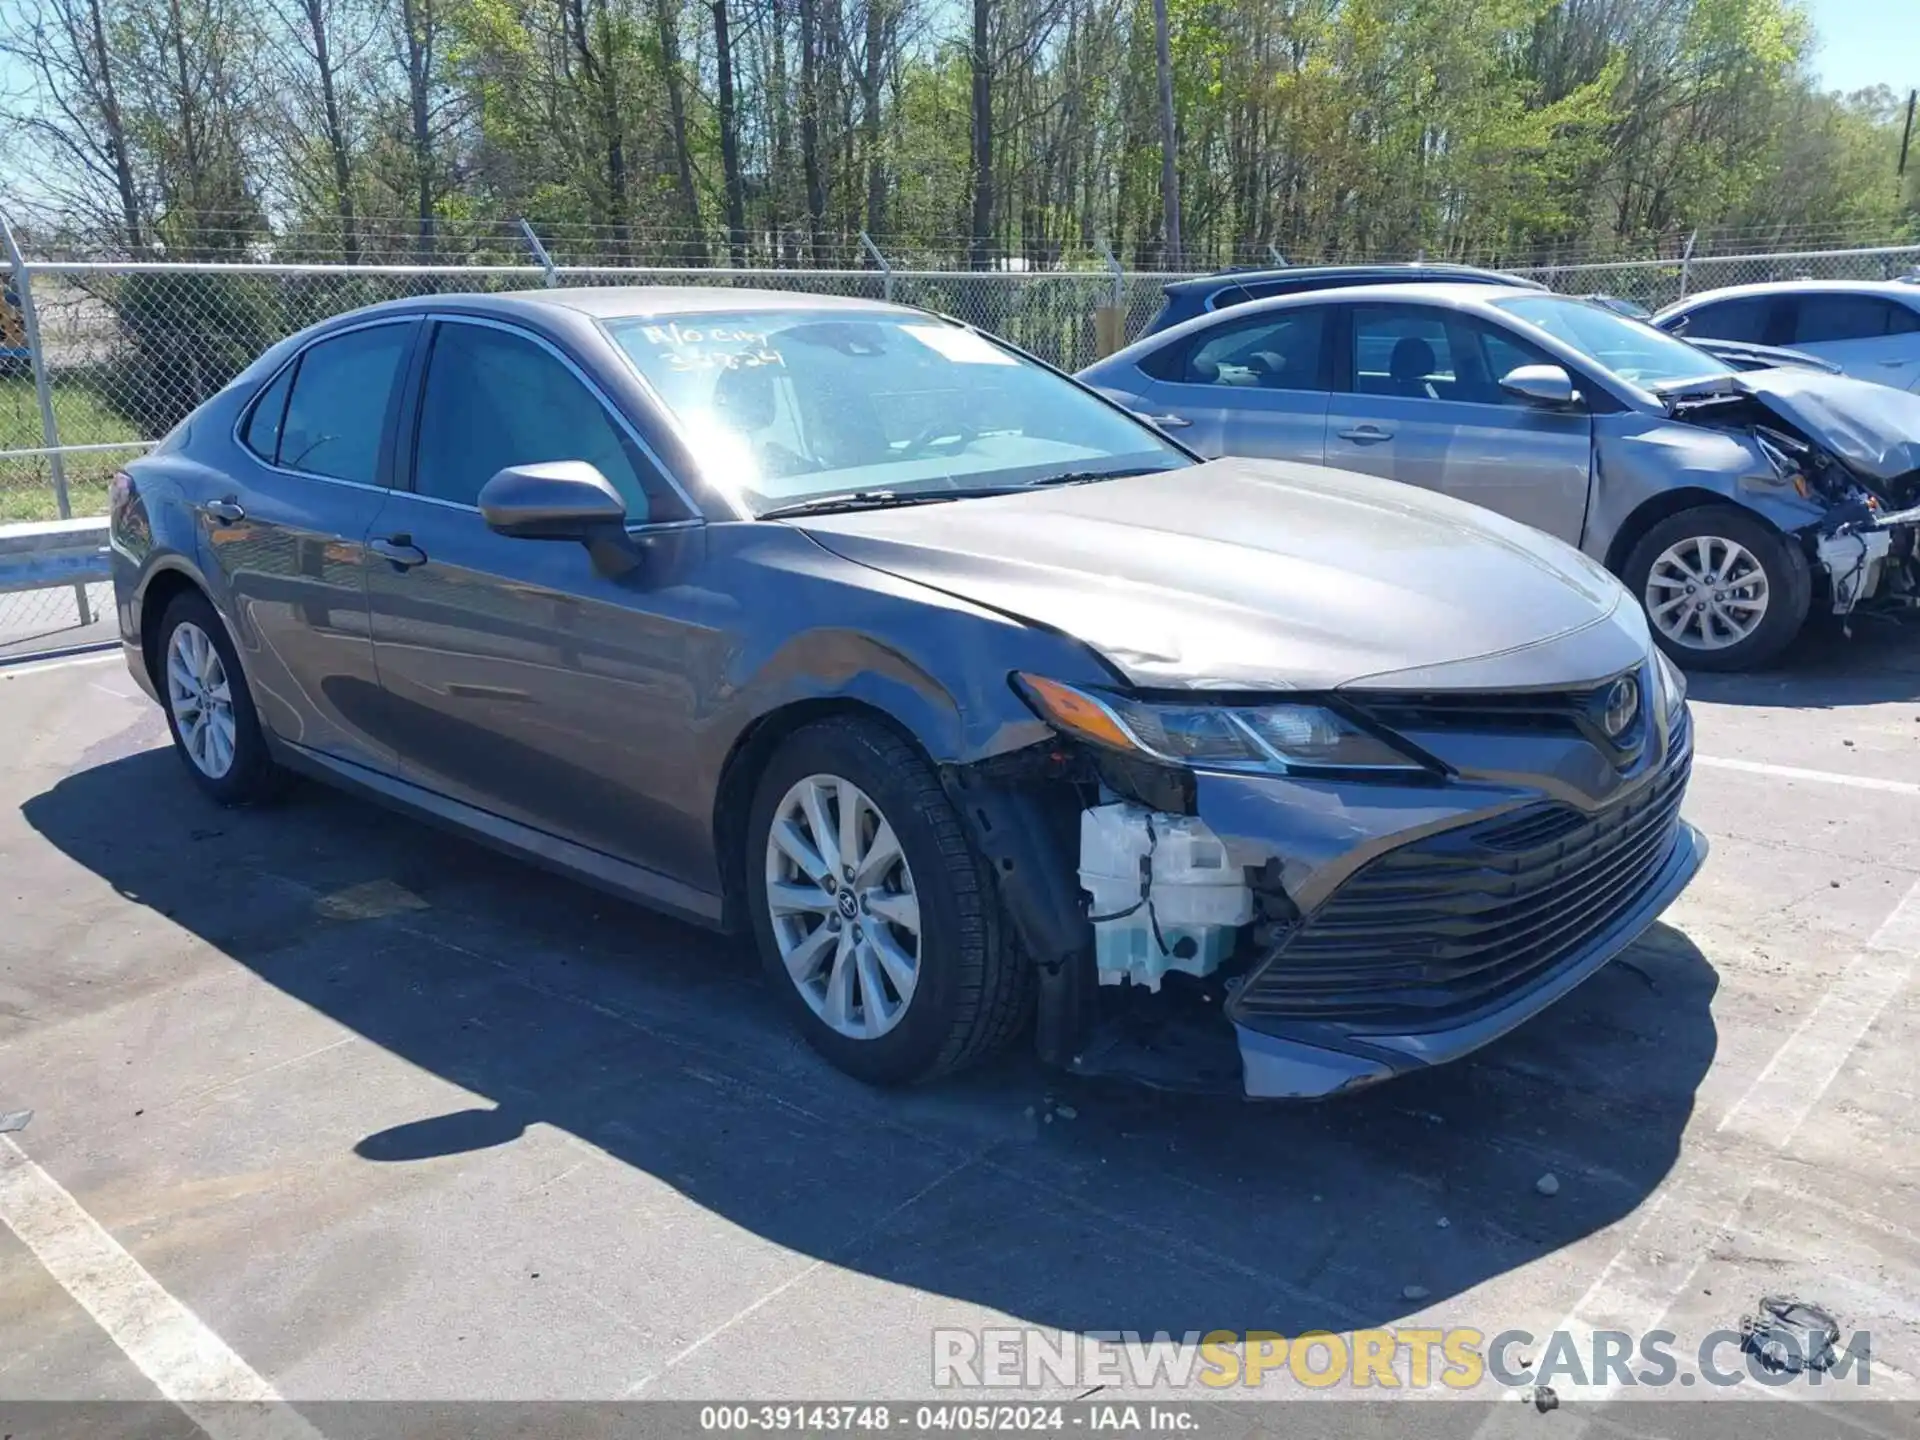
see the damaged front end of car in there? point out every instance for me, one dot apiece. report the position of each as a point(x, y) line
point(1848, 453)
point(1294, 897)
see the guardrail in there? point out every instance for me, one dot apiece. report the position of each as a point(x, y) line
point(41, 554)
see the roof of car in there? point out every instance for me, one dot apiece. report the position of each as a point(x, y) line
point(1332, 274)
point(1893, 289)
point(617, 302)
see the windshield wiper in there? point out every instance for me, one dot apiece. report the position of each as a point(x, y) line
point(877, 500)
point(1087, 477)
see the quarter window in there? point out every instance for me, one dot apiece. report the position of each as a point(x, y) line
point(263, 426)
point(1745, 321)
point(1274, 352)
point(495, 399)
point(338, 408)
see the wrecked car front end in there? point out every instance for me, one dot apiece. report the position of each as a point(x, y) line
point(1317, 814)
point(1349, 918)
point(1833, 463)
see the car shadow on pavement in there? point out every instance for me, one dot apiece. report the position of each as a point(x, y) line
point(1087, 1206)
point(1828, 669)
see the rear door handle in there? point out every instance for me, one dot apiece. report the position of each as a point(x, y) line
point(1169, 421)
point(225, 511)
point(400, 551)
point(1366, 434)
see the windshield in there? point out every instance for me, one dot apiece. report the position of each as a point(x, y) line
point(1630, 349)
point(783, 406)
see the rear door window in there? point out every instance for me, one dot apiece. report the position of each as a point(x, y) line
point(337, 412)
point(1823, 319)
point(1268, 352)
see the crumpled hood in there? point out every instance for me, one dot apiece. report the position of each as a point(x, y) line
point(1265, 575)
point(1874, 429)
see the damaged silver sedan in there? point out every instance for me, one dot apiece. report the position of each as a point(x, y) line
point(1733, 504)
point(985, 709)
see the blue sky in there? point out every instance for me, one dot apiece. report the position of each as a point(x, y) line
point(1867, 42)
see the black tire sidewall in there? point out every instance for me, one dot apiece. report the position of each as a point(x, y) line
point(864, 753)
point(1789, 583)
point(253, 776)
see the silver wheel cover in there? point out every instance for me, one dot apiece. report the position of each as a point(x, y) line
point(1706, 592)
point(201, 700)
point(845, 914)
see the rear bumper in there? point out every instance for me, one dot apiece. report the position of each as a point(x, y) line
point(1278, 1067)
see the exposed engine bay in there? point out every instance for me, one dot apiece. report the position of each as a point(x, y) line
point(1863, 546)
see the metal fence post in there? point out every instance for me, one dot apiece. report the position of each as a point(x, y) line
point(43, 392)
point(1278, 259)
point(886, 270)
point(1119, 277)
point(540, 255)
point(1686, 262)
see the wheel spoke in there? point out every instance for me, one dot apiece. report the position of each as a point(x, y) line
point(874, 1009)
point(902, 909)
point(1667, 607)
point(813, 801)
point(803, 960)
point(880, 856)
point(850, 799)
point(901, 967)
point(791, 843)
point(790, 899)
point(837, 1006)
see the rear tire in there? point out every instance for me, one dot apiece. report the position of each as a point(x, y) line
point(933, 984)
point(1723, 589)
point(216, 730)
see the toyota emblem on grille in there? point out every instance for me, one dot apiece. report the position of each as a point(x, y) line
point(1620, 707)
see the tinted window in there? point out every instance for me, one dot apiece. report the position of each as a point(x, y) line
point(1499, 354)
point(263, 426)
point(1402, 350)
point(1846, 317)
point(1742, 320)
point(1273, 352)
point(339, 403)
point(495, 399)
point(1631, 349)
point(789, 403)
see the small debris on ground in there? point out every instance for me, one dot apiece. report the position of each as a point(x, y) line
point(1544, 1399)
point(1787, 1334)
point(1415, 1292)
point(14, 1120)
point(1833, 884)
point(1548, 1184)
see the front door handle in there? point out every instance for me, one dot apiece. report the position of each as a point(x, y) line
point(400, 551)
point(1169, 421)
point(227, 512)
point(1366, 434)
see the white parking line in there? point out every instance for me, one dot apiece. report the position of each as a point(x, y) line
point(190, 1365)
point(18, 671)
point(1794, 772)
point(1705, 1197)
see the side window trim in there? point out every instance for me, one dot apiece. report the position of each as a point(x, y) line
point(407, 458)
point(292, 365)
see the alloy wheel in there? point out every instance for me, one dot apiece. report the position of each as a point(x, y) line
point(201, 699)
point(845, 915)
point(1706, 592)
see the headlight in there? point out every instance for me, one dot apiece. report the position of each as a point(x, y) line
point(1283, 737)
point(1673, 684)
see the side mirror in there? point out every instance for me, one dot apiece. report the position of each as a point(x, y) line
point(558, 500)
point(562, 500)
point(1542, 384)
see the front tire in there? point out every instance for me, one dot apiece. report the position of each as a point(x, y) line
point(875, 919)
point(1723, 590)
point(216, 730)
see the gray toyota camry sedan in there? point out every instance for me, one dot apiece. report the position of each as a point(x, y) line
point(988, 711)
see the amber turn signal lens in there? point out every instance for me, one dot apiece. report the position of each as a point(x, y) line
point(1074, 712)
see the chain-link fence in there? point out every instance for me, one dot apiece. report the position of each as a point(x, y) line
point(100, 357)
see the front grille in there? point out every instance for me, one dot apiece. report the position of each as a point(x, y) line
point(1439, 928)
